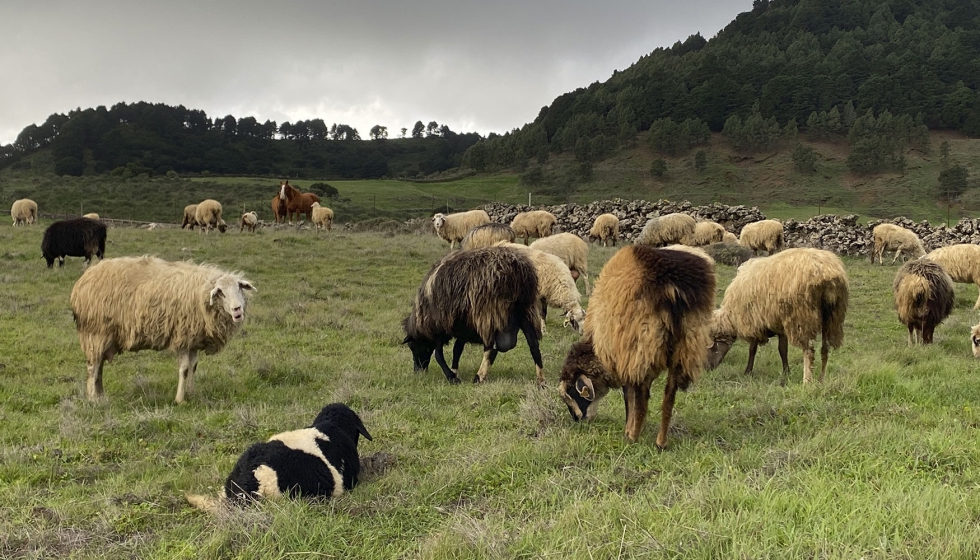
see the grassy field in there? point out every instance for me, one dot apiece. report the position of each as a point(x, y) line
point(879, 461)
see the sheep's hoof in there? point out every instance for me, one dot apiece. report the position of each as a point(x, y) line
point(476, 379)
point(453, 380)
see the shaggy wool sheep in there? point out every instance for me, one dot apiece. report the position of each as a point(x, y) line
point(650, 312)
point(23, 212)
point(667, 230)
point(923, 298)
point(796, 294)
point(535, 223)
point(605, 229)
point(555, 285)
point(571, 250)
point(961, 262)
point(322, 217)
point(454, 227)
point(889, 237)
point(706, 233)
point(487, 235)
point(694, 251)
point(480, 296)
point(79, 237)
point(91, 216)
point(730, 238)
point(764, 235)
point(130, 304)
point(208, 216)
point(318, 461)
point(190, 216)
point(249, 220)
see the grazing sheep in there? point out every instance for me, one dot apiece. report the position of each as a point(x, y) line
point(706, 233)
point(975, 340)
point(667, 230)
point(605, 229)
point(318, 461)
point(764, 235)
point(249, 220)
point(487, 235)
point(555, 285)
point(146, 303)
point(923, 298)
point(729, 238)
point(796, 294)
point(23, 212)
point(694, 251)
point(480, 296)
point(889, 237)
point(79, 237)
point(650, 312)
point(322, 217)
point(91, 216)
point(571, 250)
point(961, 262)
point(208, 216)
point(190, 216)
point(454, 227)
point(535, 223)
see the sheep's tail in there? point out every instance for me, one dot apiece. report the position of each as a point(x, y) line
point(211, 504)
point(833, 310)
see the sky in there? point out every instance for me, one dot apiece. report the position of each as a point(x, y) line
point(475, 66)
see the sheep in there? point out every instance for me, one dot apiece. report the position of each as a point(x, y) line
point(764, 235)
point(322, 217)
point(650, 312)
point(961, 261)
point(694, 251)
point(571, 250)
point(923, 298)
point(78, 237)
point(208, 216)
point(318, 461)
point(479, 296)
point(666, 230)
point(889, 237)
point(729, 238)
point(535, 223)
point(91, 216)
point(605, 229)
point(454, 227)
point(190, 216)
point(487, 235)
point(796, 294)
point(555, 285)
point(706, 233)
point(23, 212)
point(146, 303)
point(249, 220)
point(975, 340)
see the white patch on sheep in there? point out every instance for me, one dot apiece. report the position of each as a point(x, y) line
point(305, 440)
point(268, 481)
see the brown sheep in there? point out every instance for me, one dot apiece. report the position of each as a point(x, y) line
point(923, 298)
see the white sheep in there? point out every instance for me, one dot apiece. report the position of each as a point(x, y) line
point(487, 235)
point(666, 230)
point(730, 238)
point(605, 229)
point(764, 235)
point(555, 284)
point(145, 303)
point(249, 220)
point(694, 251)
point(705, 233)
point(208, 216)
point(91, 216)
point(322, 217)
point(23, 212)
point(454, 227)
point(571, 250)
point(889, 237)
point(190, 216)
point(961, 262)
point(534, 223)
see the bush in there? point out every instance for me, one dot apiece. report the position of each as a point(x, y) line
point(324, 190)
point(805, 159)
point(658, 168)
point(700, 161)
point(69, 166)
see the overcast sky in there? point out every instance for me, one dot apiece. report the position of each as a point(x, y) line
point(476, 66)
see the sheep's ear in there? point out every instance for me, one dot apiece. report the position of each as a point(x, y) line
point(246, 285)
point(407, 339)
point(216, 291)
point(584, 387)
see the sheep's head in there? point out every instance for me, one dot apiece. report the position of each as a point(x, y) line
point(222, 226)
point(438, 220)
point(722, 338)
point(582, 381)
point(975, 340)
point(421, 347)
point(575, 319)
point(232, 292)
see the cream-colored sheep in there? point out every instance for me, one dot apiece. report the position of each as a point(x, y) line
point(729, 237)
point(535, 223)
point(145, 303)
point(923, 298)
point(249, 220)
point(208, 216)
point(555, 284)
point(705, 233)
point(571, 250)
point(454, 227)
point(190, 216)
point(694, 251)
point(322, 217)
point(667, 230)
point(487, 235)
point(605, 229)
point(764, 235)
point(961, 262)
point(23, 212)
point(91, 216)
point(889, 237)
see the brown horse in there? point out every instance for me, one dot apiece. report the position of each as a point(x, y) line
point(296, 202)
point(278, 210)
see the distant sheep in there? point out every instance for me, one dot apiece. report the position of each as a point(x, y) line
point(694, 251)
point(730, 238)
point(487, 235)
point(208, 216)
point(706, 233)
point(571, 250)
point(79, 237)
point(190, 216)
point(91, 216)
point(23, 212)
point(145, 303)
point(961, 262)
point(667, 230)
point(318, 461)
point(764, 235)
point(605, 229)
point(249, 220)
point(535, 223)
point(454, 227)
point(923, 298)
point(889, 237)
point(480, 296)
point(796, 295)
point(555, 285)
point(322, 217)
point(650, 312)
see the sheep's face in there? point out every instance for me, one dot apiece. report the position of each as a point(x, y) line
point(975, 340)
point(575, 319)
point(717, 351)
point(582, 396)
point(438, 220)
point(222, 226)
point(421, 353)
point(230, 292)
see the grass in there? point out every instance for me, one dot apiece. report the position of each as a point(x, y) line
point(879, 461)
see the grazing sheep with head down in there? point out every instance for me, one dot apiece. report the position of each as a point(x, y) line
point(706, 233)
point(454, 227)
point(961, 262)
point(322, 217)
point(605, 229)
point(667, 230)
point(480, 296)
point(796, 295)
point(923, 298)
point(79, 237)
point(23, 212)
point(555, 285)
point(764, 235)
point(534, 223)
point(650, 312)
point(487, 235)
point(571, 250)
point(889, 237)
point(208, 216)
point(190, 216)
point(249, 220)
point(730, 238)
point(145, 303)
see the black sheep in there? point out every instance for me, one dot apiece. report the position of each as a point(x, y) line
point(80, 237)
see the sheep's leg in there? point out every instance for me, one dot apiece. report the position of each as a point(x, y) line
point(636, 397)
point(532, 343)
point(753, 348)
point(544, 315)
point(784, 357)
point(926, 334)
point(484, 370)
point(808, 356)
point(898, 253)
point(911, 334)
point(441, 360)
point(191, 370)
point(93, 387)
point(666, 407)
point(977, 304)
point(588, 288)
point(824, 354)
point(458, 347)
point(187, 362)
